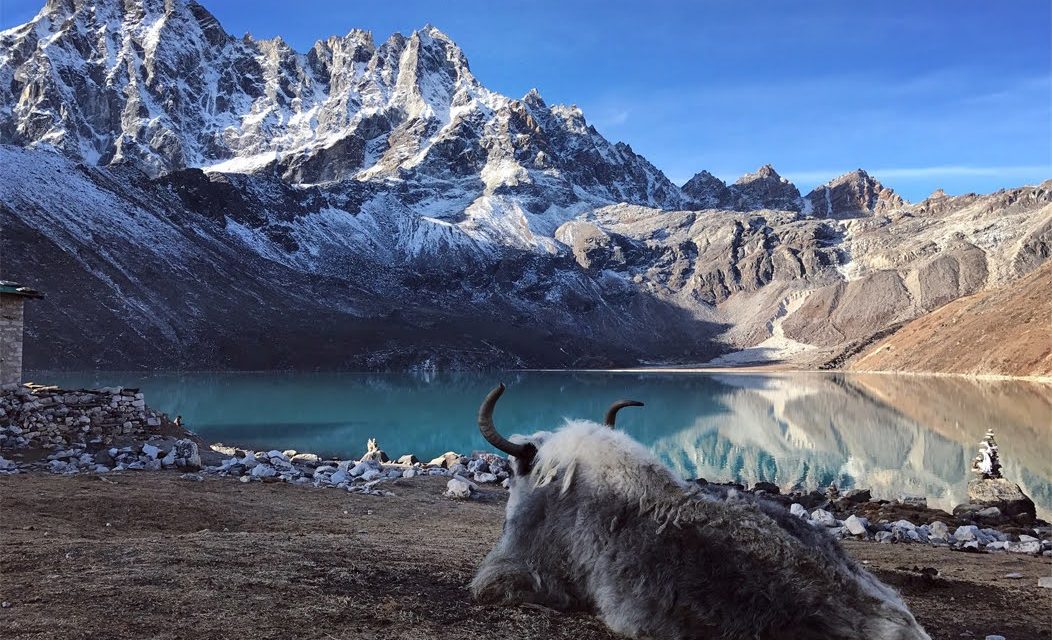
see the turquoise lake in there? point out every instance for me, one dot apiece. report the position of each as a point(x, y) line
point(893, 434)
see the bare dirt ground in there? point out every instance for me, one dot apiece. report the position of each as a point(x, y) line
point(148, 555)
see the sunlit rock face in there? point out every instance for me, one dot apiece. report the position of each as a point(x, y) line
point(852, 195)
point(371, 204)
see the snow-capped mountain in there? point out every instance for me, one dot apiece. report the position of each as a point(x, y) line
point(158, 83)
point(191, 199)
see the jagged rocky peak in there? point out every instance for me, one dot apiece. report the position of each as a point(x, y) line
point(706, 191)
point(765, 189)
point(533, 99)
point(159, 84)
point(855, 194)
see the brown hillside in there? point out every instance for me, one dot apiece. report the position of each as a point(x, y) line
point(1005, 331)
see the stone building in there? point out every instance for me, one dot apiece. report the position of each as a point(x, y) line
point(12, 296)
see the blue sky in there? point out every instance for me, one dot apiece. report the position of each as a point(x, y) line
point(954, 94)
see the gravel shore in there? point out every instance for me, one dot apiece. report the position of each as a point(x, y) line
point(150, 555)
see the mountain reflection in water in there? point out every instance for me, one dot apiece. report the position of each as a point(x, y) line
point(892, 434)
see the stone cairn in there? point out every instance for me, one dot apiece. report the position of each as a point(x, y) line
point(987, 464)
point(990, 490)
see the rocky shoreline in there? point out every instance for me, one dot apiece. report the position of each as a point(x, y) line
point(112, 431)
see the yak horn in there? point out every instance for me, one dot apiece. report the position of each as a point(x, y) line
point(523, 451)
point(611, 413)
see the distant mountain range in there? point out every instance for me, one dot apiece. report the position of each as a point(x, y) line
point(188, 199)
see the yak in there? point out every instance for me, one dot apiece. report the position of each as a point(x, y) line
point(596, 523)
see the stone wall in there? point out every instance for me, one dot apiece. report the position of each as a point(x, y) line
point(10, 339)
point(35, 416)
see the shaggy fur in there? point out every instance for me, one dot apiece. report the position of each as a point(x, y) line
point(598, 524)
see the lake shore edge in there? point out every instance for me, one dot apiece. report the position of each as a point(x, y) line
point(786, 369)
point(770, 368)
point(111, 431)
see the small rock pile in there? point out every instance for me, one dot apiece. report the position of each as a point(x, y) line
point(154, 455)
point(35, 416)
point(967, 537)
point(365, 475)
point(856, 515)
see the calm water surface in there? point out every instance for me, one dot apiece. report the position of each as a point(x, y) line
point(893, 434)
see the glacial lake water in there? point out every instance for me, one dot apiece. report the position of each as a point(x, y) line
point(893, 434)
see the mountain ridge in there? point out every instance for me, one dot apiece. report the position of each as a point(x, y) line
point(189, 199)
point(339, 81)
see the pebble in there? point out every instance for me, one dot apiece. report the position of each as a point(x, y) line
point(823, 518)
point(989, 512)
point(360, 468)
point(458, 489)
point(798, 510)
point(856, 526)
point(919, 502)
point(939, 530)
point(1032, 546)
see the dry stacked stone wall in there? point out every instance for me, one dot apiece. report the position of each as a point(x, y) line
point(47, 417)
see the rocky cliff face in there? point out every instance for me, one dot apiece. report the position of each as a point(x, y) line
point(190, 199)
point(765, 189)
point(852, 195)
point(706, 191)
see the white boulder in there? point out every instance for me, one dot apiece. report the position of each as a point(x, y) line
point(458, 489)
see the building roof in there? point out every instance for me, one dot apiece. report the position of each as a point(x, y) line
point(13, 288)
